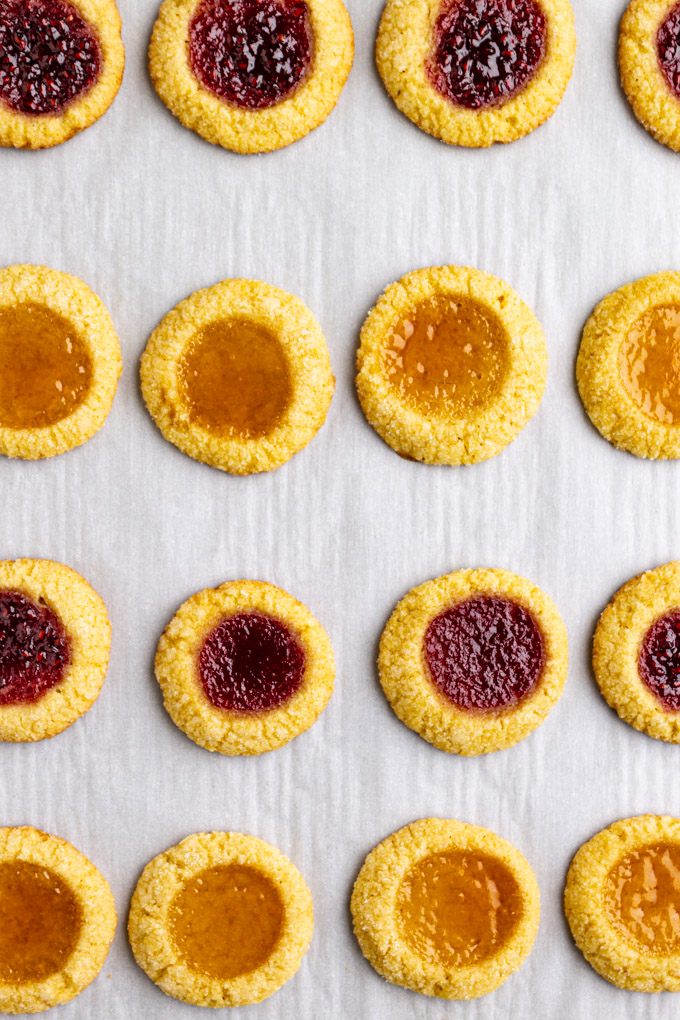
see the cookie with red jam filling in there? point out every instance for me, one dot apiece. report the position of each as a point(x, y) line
point(649, 61)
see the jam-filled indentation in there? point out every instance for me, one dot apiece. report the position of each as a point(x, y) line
point(659, 660)
point(642, 896)
point(34, 649)
point(649, 363)
point(668, 49)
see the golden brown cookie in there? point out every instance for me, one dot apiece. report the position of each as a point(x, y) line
point(649, 60)
point(622, 901)
point(221, 919)
point(251, 75)
point(238, 376)
point(59, 362)
point(627, 368)
point(55, 638)
point(446, 909)
point(57, 921)
point(244, 668)
point(452, 365)
point(61, 65)
point(473, 661)
point(474, 73)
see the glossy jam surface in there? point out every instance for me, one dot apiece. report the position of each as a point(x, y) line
point(485, 654)
point(34, 649)
point(251, 663)
point(668, 49)
point(642, 896)
point(251, 53)
point(659, 660)
point(486, 51)
point(235, 379)
point(226, 921)
point(40, 921)
point(45, 368)
point(449, 357)
point(48, 55)
point(458, 908)
point(649, 364)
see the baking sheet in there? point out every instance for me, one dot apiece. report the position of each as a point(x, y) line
point(146, 212)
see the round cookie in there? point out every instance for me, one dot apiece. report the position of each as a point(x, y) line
point(471, 92)
point(627, 367)
point(238, 376)
point(622, 901)
point(59, 362)
point(58, 921)
point(473, 661)
point(55, 638)
point(221, 919)
point(61, 65)
point(649, 60)
point(445, 909)
point(251, 75)
point(452, 365)
point(244, 668)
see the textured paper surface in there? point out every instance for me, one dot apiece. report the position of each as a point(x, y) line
point(146, 212)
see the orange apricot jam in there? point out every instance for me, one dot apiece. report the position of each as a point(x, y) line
point(649, 364)
point(642, 897)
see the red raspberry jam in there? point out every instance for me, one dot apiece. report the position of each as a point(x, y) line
point(485, 51)
point(485, 654)
point(659, 661)
point(34, 649)
point(668, 48)
point(49, 55)
point(251, 53)
point(251, 663)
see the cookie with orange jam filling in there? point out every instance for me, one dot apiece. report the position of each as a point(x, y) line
point(649, 60)
point(57, 921)
point(445, 909)
point(221, 919)
point(238, 376)
point(452, 365)
point(622, 901)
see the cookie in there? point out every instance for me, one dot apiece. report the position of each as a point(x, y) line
point(649, 61)
point(58, 921)
point(55, 638)
point(445, 909)
point(452, 365)
point(61, 65)
point(244, 668)
point(59, 362)
point(238, 376)
point(622, 901)
point(475, 72)
point(251, 75)
point(221, 919)
point(627, 367)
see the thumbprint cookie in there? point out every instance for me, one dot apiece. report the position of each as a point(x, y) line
point(649, 60)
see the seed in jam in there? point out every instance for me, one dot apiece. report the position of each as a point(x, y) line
point(45, 368)
point(668, 49)
point(34, 649)
point(659, 660)
point(649, 363)
point(49, 55)
point(251, 663)
point(235, 380)
point(226, 921)
point(40, 922)
point(458, 908)
point(485, 654)
point(449, 357)
point(642, 896)
point(486, 51)
point(251, 53)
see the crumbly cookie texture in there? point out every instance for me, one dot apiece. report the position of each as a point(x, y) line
point(84, 617)
point(305, 350)
point(242, 130)
point(40, 131)
point(98, 919)
point(167, 874)
point(69, 297)
point(613, 413)
point(648, 92)
point(616, 650)
point(234, 733)
point(464, 440)
point(614, 957)
point(405, 41)
point(376, 925)
point(405, 679)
